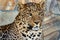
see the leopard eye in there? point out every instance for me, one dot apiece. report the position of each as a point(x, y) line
point(30, 14)
point(41, 14)
point(38, 13)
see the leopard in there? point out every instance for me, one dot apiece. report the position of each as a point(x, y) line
point(27, 24)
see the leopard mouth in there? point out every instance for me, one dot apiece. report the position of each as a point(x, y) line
point(35, 28)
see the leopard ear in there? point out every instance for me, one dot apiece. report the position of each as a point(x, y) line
point(20, 5)
point(42, 4)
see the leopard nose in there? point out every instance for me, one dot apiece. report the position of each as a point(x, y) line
point(35, 28)
point(36, 22)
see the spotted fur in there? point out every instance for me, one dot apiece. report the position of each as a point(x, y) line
point(27, 24)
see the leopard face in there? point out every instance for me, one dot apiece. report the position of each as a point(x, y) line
point(30, 19)
point(32, 14)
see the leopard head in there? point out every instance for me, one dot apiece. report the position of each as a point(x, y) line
point(33, 14)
